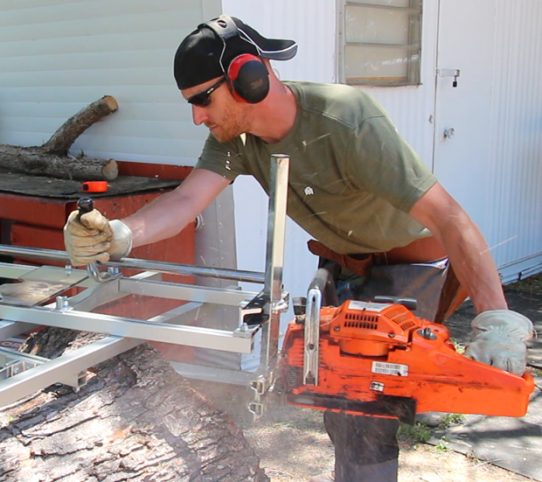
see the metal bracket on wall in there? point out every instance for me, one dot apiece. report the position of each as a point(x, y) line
point(454, 73)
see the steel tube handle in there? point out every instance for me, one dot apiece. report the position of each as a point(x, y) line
point(143, 264)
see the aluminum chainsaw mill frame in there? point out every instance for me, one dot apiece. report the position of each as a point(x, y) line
point(22, 375)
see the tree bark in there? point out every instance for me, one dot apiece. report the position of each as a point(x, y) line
point(36, 162)
point(63, 138)
point(136, 419)
point(52, 159)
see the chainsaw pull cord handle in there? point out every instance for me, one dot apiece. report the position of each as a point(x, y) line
point(86, 205)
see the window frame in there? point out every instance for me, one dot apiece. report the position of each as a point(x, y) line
point(413, 47)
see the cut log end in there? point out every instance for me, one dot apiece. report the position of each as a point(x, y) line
point(110, 170)
point(111, 103)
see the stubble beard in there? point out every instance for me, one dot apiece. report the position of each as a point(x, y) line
point(231, 127)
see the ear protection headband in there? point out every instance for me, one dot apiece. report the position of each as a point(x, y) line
point(246, 74)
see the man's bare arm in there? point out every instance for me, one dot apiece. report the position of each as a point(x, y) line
point(168, 214)
point(466, 248)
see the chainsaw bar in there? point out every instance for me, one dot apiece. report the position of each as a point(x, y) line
point(403, 408)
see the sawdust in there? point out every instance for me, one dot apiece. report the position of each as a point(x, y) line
point(293, 447)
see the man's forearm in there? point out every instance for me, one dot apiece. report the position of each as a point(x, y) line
point(169, 214)
point(160, 219)
point(474, 266)
point(465, 246)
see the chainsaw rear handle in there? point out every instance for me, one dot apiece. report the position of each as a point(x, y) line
point(323, 280)
point(410, 303)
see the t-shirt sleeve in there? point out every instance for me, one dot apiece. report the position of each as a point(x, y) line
point(381, 162)
point(222, 158)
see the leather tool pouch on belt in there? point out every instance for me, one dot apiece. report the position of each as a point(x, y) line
point(409, 272)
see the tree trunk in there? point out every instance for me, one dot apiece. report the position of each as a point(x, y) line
point(52, 159)
point(136, 419)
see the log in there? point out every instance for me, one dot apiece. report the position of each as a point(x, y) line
point(63, 138)
point(35, 162)
point(52, 159)
point(135, 419)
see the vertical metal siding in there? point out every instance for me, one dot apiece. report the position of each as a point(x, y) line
point(516, 147)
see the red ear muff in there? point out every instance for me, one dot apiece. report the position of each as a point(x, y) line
point(248, 78)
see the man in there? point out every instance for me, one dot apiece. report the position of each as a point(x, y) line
point(369, 193)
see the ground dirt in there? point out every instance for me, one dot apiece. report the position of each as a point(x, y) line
point(293, 445)
point(296, 447)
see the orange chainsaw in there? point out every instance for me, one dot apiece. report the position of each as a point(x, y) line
point(379, 359)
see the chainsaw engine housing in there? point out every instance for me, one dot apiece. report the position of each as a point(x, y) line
point(380, 359)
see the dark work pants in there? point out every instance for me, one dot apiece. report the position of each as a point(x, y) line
point(366, 448)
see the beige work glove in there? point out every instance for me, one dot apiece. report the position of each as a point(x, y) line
point(499, 339)
point(92, 237)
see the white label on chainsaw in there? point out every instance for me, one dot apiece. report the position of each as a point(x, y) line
point(364, 305)
point(396, 369)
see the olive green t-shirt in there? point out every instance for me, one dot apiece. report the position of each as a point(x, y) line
point(352, 179)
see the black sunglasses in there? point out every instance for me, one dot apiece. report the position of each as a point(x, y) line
point(203, 99)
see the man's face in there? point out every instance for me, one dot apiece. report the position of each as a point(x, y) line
point(214, 106)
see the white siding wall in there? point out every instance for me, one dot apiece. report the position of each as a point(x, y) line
point(496, 168)
point(492, 163)
point(57, 56)
point(516, 138)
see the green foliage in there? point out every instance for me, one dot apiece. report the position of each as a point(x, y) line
point(417, 433)
point(451, 419)
point(441, 446)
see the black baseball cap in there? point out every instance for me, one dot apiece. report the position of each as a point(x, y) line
point(207, 52)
